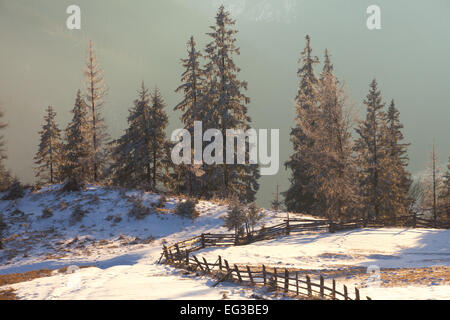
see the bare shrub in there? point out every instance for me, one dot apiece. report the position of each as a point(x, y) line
point(114, 218)
point(77, 215)
point(138, 211)
point(187, 209)
point(15, 191)
point(63, 205)
point(46, 213)
point(72, 185)
point(161, 203)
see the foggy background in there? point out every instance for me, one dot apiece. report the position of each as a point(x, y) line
point(41, 63)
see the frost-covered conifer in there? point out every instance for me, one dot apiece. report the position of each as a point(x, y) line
point(77, 147)
point(300, 197)
point(48, 158)
point(225, 107)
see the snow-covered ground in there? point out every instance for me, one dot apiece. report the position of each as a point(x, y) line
point(131, 276)
point(122, 251)
point(384, 247)
point(352, 256)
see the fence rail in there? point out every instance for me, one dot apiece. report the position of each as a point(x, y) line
point(296, 226)
point(271, 277)
point(180, 252)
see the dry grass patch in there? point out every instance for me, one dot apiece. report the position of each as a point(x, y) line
point(8, 294)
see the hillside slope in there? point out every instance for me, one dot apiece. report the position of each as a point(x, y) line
point(118, 234)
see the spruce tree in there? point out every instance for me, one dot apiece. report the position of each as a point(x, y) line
point(95, 98)
point(226, 108)
point(77, 148)
point(156, 132)
point(48, 158)
point(191, 106)
point(371, 155)
point(131, 159)
point(328, 160)
point(398, 178)
point(140, 154)
point(299, 197)
point(444, 196)
point(5, 176)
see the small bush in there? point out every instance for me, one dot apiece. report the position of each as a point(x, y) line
point(63, 205)
point(114, 219)
point(77, 215)
point(72, 185)
point(161, 203)
point(2, 228)
point(15, 191)
point(47, 213)
point(187, 209)
point(139, 211)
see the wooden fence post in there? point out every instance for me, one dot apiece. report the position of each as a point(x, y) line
point(238, 273)
point(333, 293)
point(356, 294)
point(286, 280)
point(264, 274)
point(203, 240)
point(187, 257)
point(206, 265)
point(276, 278)
point(322, 289)
point(198, 263)
point(227, 265)
point(345, 292)
point(296, 281)
point(178, 251)
point(308, 285)
point(166, 254)
point(220, 263)
point(287, 228)
point(250, 275)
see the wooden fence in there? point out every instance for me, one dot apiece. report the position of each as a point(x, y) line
point(273, 278)
point(179, 253)
point(294, 226)
point(412, 221)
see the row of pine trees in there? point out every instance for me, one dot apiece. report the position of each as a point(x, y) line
point(338, 171)
point(140, 158)
point(340, 177)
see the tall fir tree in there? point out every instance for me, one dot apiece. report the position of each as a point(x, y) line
point(192, 86)
point(95, 98)
point(140, 154)
point(398, 179)
point(328, 159)
point(77, 149)
point(131, 160)
point(48, 158)
point(372, 156)
point(444, 196)
point(5, 176)
point(158, 121)
point(226, 108)
point(299, 197)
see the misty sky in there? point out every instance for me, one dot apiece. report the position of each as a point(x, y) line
point(41, 62)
